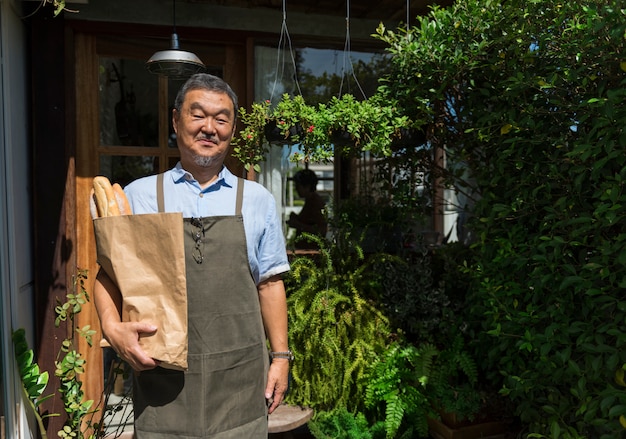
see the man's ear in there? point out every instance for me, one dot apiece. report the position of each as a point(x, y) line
point(175, 117)
point(234, 128)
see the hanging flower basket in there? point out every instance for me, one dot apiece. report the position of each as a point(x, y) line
point(341, 137)
point(281, 135)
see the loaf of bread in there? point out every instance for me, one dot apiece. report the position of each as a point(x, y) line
point(107, 200)
point(122, 201)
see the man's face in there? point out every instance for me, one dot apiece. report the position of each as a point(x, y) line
point(204, 127)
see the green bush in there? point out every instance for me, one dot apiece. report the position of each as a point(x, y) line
point(528, 96)
point(409, 384)
point(340, 424)
point(334, 331)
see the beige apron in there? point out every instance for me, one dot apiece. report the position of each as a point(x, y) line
point(221, 396)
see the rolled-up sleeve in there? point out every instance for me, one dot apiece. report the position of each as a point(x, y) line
point(263, 227)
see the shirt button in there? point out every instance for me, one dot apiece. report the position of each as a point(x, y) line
point(201, 195)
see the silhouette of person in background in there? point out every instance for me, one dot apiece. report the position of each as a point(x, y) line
point(311, 218)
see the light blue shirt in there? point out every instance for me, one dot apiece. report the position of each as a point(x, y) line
point(264, 237)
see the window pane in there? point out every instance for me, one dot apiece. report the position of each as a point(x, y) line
point(321, 73)
point(128, 104)
point(124, 169)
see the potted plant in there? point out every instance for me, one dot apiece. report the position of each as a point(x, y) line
point(365, 125)
point(334, 330)
point(250, 144)
point(79, 422)
point(344, 124)
point(288, 120)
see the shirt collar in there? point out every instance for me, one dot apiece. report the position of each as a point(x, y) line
point(224, 178)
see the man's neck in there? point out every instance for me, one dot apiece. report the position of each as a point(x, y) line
point(204, 176)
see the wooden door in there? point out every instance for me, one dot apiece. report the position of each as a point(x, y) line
point(123, 131)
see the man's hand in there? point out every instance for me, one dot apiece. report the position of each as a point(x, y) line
point(277, 383)
point(122, 336)
point(124, 339)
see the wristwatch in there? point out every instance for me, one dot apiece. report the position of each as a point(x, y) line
point(287, 355)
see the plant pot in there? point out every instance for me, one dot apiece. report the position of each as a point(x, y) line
point(341, 138)
point(466, 430)
point(275, 134)
point(409, 137)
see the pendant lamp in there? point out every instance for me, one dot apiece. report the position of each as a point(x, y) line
point(174, 62)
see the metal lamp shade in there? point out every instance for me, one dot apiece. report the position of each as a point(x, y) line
point(174, 62)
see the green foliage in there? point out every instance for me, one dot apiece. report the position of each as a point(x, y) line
point(334, 331)
point(398, 381)
point(340, 424)
point(408, 295)
point(57, 5)
point(250, 145)
point(409, 383)
point(370, 125)
point(529, 97)
point(34, 382)
point(71, 363)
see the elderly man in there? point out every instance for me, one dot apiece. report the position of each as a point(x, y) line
point(235, 255)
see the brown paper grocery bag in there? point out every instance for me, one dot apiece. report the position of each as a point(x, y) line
point(145, 256)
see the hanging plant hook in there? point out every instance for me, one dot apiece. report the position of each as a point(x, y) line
point(284, 40)
point(347, 59)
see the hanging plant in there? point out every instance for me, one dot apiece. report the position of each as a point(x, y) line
point(250, 145)
point(369, 125)
point(366, 125)
point(281, 134)
point(293, 121)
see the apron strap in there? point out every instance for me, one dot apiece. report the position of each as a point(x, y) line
point(160, 196)
point(240, 183)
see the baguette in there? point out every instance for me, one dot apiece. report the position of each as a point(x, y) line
point(107, 200)
point(93, 208)
point(105, 197)
point(122, 201)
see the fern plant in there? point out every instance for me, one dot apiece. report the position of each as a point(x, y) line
point(340, 424)
point(334, 331)
point(453, 386)
point(409, 384)
point(397, 389)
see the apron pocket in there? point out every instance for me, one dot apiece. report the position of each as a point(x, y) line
point(234, 387)
point(162, 398)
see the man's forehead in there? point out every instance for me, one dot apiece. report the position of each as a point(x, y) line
point(193, 99)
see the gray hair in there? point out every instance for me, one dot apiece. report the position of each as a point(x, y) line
point(205, 81)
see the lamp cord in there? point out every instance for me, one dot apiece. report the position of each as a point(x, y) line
point(174, 14)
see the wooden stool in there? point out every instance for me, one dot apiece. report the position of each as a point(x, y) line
point(287, 418)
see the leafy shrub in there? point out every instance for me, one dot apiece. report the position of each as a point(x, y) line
point(340, 424)
point(409, 384)
point(334, 331)
point(529, 96)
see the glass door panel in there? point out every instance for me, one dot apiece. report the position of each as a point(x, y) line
point(129, 103)
point(124, 169)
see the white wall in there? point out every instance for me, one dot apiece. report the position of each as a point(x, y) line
point(16, 271)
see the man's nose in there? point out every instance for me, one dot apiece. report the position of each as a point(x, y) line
point(209, 125)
